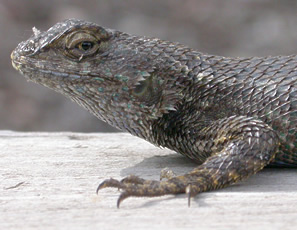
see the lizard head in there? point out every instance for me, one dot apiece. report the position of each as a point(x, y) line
point(123, 79)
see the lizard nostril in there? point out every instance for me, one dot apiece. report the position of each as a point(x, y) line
point(29, 47)
point(24, 49)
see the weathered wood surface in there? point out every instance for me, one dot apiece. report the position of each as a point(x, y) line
point(48, 181)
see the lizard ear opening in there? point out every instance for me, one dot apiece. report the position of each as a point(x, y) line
point(148, 91)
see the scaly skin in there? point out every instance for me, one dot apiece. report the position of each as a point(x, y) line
point(233, 116)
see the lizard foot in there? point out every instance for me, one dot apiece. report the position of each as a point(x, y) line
point(138, 187)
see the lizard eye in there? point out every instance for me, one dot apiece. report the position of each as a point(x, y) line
point(81, 45)
point(85, 45)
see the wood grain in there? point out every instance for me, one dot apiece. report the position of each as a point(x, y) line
point(48, 181)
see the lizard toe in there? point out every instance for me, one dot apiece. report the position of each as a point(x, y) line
point(132, 179)
point(110, 183)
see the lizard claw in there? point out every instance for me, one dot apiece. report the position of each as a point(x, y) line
point(122, 197)
point(110, 183)
point(188, 192)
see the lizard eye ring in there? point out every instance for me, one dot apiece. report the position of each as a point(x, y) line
point(82, 44)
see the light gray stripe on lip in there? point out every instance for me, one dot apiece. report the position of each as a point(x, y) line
point(59, 74)
point(74, 76)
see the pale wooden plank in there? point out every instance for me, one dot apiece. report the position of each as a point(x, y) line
point(48, 181)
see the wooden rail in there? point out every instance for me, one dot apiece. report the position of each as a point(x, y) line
point(48, 181)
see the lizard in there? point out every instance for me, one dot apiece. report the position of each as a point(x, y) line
point(231, 115)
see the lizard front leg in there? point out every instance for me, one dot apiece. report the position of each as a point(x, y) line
point(240, 147)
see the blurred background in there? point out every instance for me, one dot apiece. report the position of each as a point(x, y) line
point(228, 28)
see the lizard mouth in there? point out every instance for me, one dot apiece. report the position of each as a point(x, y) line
point(22, 64)
point(38, 73)
point(15, 63)
point(19, 63)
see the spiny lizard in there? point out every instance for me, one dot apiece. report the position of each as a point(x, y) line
point(233, 116)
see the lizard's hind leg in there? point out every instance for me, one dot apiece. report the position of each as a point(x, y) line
point(247, 146)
